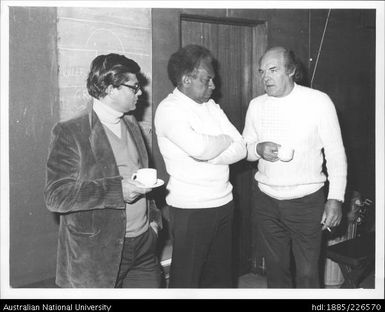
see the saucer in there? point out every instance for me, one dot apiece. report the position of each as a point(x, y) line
point(158, 183)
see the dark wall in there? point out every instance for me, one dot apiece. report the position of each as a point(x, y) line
point(346, 71)
point(33, 108)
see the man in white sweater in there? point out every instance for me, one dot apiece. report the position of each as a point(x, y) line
point(198, 143)
point(291, 210)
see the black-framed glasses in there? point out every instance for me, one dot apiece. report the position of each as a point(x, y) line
point(136, 88)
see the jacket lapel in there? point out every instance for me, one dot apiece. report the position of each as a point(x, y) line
point(101, 147)
point(136, 134)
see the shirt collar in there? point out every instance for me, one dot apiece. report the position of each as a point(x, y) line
point(105, 113)
point(278, 99)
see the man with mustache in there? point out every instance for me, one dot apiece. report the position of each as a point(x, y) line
point(291, 210)
point(198, 143)
point(106, 237)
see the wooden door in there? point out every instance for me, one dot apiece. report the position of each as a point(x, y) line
point(237, 46)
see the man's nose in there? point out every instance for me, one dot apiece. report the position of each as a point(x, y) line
point(266, 77)
point(212, 84)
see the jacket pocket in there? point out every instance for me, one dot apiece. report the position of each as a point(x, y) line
point(81, 223)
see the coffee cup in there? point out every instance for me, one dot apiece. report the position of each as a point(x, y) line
point(145, 176)
point(285, 153)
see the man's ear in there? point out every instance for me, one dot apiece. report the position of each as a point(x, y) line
point(292, 74)
point(111, 90)
point(186, 80)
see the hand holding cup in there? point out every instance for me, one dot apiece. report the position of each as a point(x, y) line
point(285, 153)
point(140, 183)
point(146, 176)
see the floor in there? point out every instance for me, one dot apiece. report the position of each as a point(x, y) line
point(249, 280)
point(252, 280)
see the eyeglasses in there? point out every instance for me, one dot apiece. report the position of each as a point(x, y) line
point(136, 88)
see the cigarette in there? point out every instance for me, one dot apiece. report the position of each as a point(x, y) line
point(328, 228)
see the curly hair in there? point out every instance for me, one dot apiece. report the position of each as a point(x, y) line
point(185, 61)
point(110, 69)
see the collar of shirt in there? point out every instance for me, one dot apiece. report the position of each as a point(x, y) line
point(284, 98)
point(106, 114)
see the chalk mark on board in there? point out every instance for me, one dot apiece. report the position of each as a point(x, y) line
point(98, 30)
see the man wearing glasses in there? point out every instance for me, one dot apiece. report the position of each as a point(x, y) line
point(105, 236)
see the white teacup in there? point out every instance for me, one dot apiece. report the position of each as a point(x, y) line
point(146, 176)
point(285, 153)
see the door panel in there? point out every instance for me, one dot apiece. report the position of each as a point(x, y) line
point(237, 49)
point(237, 53)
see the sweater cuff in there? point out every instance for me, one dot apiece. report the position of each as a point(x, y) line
point(337, 193)
point(255, 151)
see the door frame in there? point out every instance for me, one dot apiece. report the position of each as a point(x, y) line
point(260, 31)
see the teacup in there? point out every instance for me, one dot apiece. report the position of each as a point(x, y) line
point(146, 176)
point(285, 153)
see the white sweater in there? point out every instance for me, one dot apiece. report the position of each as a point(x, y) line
point(306, 120)
point(196, 155)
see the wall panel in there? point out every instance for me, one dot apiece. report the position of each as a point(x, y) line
point(84, 33)
point(33, 109)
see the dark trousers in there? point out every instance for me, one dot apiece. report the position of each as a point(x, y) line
point(291, 226)
point(139, 267)
point(202, 240)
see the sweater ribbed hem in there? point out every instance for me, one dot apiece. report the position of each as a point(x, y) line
point(200, 204)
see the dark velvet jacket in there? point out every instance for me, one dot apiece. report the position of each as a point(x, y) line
point(83, 185)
